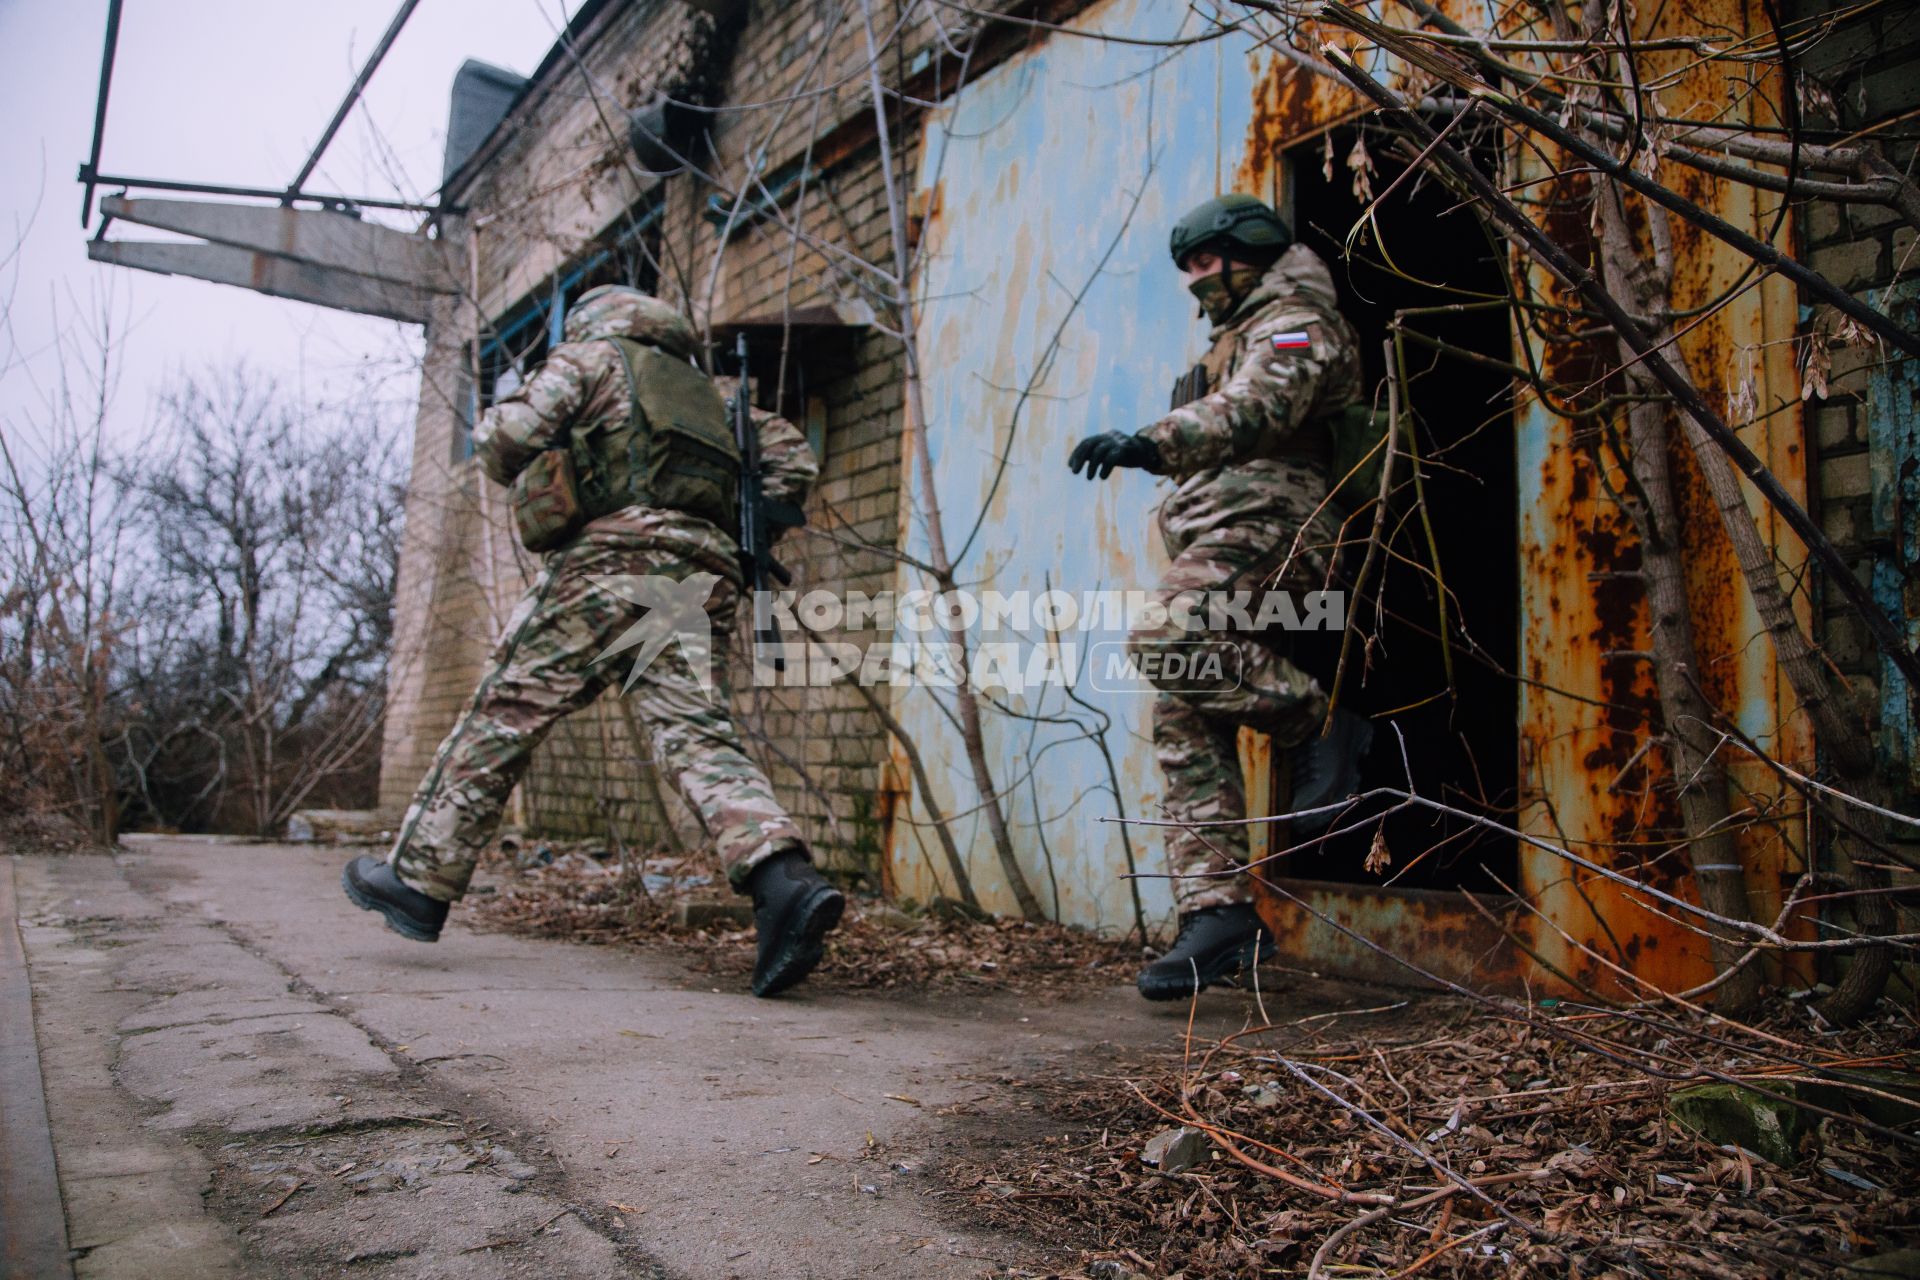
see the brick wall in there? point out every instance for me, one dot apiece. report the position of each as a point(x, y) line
point(558, 184)
point(443, 611)
point(1852, 245)
point(1865, 430)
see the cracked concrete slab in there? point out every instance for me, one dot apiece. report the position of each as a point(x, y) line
point(196, 1008)
point(408, 1202)
point(288, 1072)
point(182, 1062)
point(178, 957)
point(134, 1198)
point(220, 1040)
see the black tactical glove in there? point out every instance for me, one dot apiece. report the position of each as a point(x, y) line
point(1102, 453)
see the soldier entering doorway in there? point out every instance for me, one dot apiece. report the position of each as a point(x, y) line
point(1249, 443)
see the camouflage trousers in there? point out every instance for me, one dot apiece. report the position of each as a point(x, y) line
point(545, 667)
point(1197, 717)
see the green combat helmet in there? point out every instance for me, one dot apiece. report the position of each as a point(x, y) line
point(618, 311)
point(1233, 220)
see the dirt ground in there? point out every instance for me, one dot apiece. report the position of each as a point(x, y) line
point(1506, 1149)
point(908, 949)
point(1515, 1139)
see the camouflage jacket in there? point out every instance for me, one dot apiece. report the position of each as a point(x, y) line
point(1283, 360)
point(582, 383)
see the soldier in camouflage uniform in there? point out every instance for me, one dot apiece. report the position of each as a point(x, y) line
point(1250, 449)
point(620, 348)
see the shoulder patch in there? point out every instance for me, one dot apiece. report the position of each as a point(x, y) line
point(1300, 335)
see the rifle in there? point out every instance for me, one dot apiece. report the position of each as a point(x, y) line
point(760, 521)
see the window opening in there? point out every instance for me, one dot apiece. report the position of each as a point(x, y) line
point(819, 349)
point(522, 338)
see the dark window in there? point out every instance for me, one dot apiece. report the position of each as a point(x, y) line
point(515, 348)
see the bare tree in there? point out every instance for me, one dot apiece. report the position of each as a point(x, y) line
point(260, 676)
point(63, 527)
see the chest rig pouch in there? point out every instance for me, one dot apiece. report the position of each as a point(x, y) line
point(1350, 439)
point(674, 451)
point(545, 501)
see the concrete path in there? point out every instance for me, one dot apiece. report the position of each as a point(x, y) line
point(33, 1230)
point(247, 1077)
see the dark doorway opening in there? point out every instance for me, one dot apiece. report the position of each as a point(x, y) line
point(1425, 250)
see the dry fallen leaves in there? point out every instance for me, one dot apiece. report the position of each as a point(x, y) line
point(1575, 1146)
point(581, 899)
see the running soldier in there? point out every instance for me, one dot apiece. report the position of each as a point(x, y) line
point(625, 472)
point(1249, 445)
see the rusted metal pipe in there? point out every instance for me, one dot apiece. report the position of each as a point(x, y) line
point(337, 203)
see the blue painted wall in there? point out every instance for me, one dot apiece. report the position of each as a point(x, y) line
point(1077, 152)
point(1893, 444)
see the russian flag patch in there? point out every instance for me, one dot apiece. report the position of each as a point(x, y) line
point(1298, 341)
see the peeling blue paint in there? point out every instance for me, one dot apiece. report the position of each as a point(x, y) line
point(1893, 453)
point(1037, 165)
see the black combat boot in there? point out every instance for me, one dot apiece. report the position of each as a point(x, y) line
point(1326, 770)
point(1215, 944)
point(370, 882)
point(793, 910)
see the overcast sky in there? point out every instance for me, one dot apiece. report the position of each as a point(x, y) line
point(220, 91)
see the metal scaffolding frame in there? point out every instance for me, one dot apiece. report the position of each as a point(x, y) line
point(91, 178)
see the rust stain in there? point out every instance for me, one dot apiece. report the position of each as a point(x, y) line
point(1289, 104)
point(1593, 783)
point(894, 794)
point(1438, 931)
point(1586, 626)
point(1574, 531)
point(1263, 791)
point(1589, 775)
point(923, 207)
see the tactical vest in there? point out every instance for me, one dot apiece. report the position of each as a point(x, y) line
point(1347, 439)
point(674, 451)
